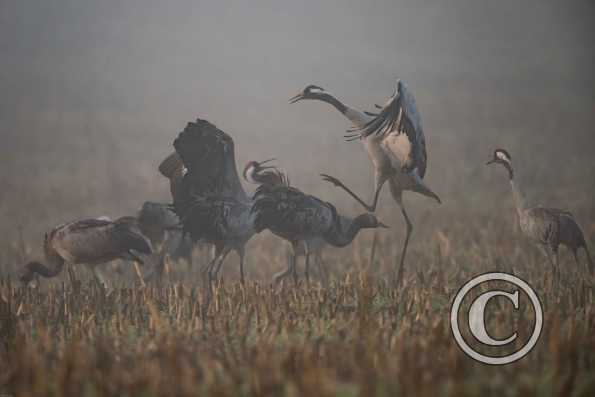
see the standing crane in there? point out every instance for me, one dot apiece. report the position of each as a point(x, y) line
point(297, 217)
point(257, 173)
point(91, 242)
point(548, 228)
point(395, 143)
point(210, 200)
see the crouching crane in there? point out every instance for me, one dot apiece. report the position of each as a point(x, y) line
point(90, 242)
point(297, 217)
point(260, 174)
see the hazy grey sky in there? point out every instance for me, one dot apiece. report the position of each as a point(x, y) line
point(127, 75)
point(168, 60)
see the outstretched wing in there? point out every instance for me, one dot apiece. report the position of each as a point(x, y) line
point(400, 115)
point(208, 154)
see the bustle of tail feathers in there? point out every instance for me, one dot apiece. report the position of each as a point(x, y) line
point(171, 165)
point(271, 204)
point(275, 177)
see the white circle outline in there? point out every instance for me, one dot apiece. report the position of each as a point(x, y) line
point(454, 321)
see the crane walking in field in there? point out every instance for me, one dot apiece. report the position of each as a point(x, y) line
point(297, 217)
point(395, 142)
point(547, 227)
point(91, 242)
point(256, 173)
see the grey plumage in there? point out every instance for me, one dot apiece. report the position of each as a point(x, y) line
point(91, 242)
point(210, 201)
point(395, 142)
point(298, 217)
point(547, 227)
point(257, 173)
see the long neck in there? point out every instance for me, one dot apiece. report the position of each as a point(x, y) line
point(341, 236)
point(45, 271)
point(357, 117)
point(518, 196)
point(271, 177)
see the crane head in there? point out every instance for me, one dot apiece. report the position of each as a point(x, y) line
point(369, 221)
point(253, 168)
point(501, 156)
point(310, 92)
point(27, 274)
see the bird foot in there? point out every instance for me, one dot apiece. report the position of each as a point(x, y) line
point(332, 179)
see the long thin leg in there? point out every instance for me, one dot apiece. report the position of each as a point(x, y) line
point(320, 265)
point(139, 274)
point(397, 194)
point(214, 271)
point(217, 250)
point(546, 252)
point(101, 278)
point(282, 274)
point(575, 255)
point(373, 250)
point(294, 269)
point(307, 262)
point(72, 276)
point(400, 273)
point(380, 180)
point(556, 263)
point(590, 264)
point(295, 246)
point(241, 253)
point(218, 256)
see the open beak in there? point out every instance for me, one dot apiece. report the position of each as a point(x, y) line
point(382, 225)
point(260, 164)
point(266, 161)
point(491, 162)
point(296, 98)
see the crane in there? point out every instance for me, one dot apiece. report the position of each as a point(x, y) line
point(395, 142)
point(297, 217)
point(548, 228)
point(210, 200)
point(89, 241)
point(257, 173)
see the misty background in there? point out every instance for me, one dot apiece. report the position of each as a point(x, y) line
point(92, 95)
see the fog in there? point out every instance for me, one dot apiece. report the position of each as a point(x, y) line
point(92, 95)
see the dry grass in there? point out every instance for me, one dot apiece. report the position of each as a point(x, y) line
point(355, 335)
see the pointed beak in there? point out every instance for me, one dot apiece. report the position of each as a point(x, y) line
point(266, 161)
point(261, 167)
point(382, 225)
point(491, 162)
point(296, 98)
